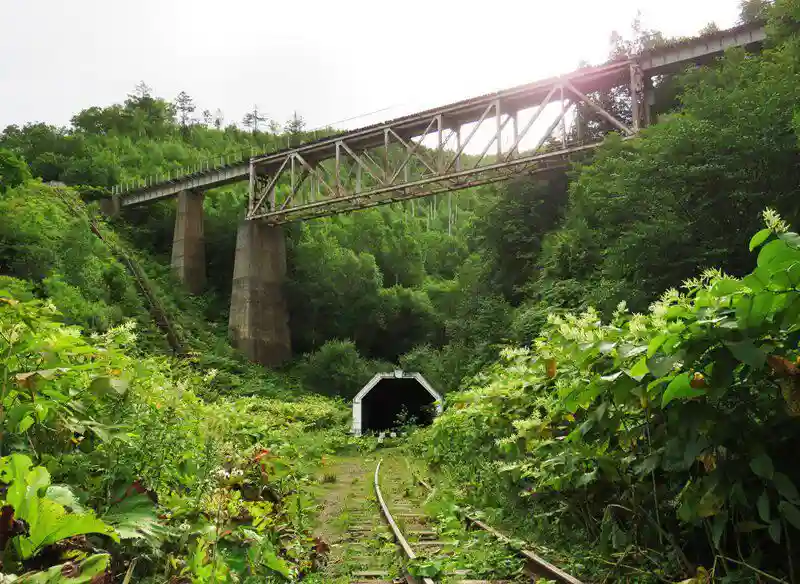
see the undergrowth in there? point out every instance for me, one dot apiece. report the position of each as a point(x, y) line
point(664, 439)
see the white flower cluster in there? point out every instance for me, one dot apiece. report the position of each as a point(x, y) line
point(224, 475)
point(774, 222)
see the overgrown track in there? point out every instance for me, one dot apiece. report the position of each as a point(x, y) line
point(413, 533)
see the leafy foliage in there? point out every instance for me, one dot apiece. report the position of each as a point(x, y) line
point(193, 488)
point(675, 425)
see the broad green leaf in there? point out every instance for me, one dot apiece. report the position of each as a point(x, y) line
point(648, 465)
point(775, 530)
point(774, 252)
point(754, 282)
point(627, 350)
point(54, 526)
point(655, 344)
point(105, 385)
point(606, 347)
point(64, 496)
point(746, 352)
point(762, 466)
point(660, 365)
point(790, 513)
point(726, 287)
point(759, 238)
point(89, 570)
point(639, 370)
point(710, 504)
point(274, 562)
point(749, 526)
point(763, 506)
point(680, 388)
point(135, 517)
point(586, 478)
point(17, 413)
point(760, 308)
point(718, 527)
point(793, 239)
point(25, 423)
point(785, 487)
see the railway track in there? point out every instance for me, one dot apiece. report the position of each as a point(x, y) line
point(428, 550)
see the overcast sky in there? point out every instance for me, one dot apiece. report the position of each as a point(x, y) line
point(329, 60)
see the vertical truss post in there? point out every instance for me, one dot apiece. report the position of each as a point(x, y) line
point(273, 188)
point(358, 178)
point(338, 169)
point(386, 171)
point(440, 143)
point(291, 174)
point(515, 130)
point(251, 193)
point(498, 129)
point(637, 91)
point(458, 146)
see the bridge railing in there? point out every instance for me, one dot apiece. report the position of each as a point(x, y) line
point(185, 171)
point(214, 163)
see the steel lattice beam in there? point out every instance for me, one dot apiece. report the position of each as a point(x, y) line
point(424, 162)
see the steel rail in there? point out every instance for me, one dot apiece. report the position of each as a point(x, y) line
point(535, 563)
point(398, 535)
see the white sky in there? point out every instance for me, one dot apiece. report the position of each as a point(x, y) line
point(327, 59)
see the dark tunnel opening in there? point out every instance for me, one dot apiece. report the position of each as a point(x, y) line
point(394, 402)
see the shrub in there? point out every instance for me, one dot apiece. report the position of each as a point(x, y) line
point(677, 425)
point(338, 369)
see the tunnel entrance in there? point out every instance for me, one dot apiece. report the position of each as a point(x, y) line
point(391, 399)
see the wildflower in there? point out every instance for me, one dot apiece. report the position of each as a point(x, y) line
point(774, 222)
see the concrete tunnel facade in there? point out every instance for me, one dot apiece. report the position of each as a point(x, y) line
point(379, 403)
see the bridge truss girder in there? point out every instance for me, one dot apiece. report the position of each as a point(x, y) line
point(424, 155)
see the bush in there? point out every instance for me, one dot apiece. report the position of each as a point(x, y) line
point(13, 171)
point(677, 425)
point(338, 369)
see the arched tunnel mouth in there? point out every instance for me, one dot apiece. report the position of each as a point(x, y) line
point(395, 402)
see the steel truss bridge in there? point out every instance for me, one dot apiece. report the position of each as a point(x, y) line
point(426, 153)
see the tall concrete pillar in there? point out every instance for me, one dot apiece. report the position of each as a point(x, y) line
point(110, 206)
point(259, 319)
point(188, 242)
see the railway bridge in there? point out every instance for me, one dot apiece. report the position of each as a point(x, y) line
point(518, 130)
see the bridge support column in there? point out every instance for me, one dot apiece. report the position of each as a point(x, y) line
point(259, 319)
point(188, 242)
point(649, 100)
point(110, 206)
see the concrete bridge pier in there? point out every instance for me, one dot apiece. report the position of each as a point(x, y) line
point(188, 242)
point(259, 319)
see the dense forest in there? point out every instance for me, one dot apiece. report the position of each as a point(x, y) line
point(619, 343)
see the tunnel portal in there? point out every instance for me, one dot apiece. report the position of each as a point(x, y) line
point(391, 399)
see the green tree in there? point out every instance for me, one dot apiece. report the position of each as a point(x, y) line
point(13, 170)
point(753, 10)
point(253, 118)
point(184, 104)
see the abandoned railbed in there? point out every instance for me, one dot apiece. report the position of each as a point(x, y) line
point(411, 531)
